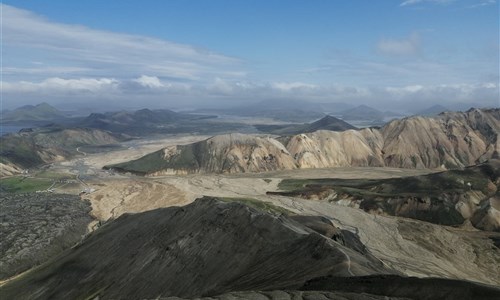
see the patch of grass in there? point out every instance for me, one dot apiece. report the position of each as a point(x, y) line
point(53, 175)
point(260, 205)
point(23, 185)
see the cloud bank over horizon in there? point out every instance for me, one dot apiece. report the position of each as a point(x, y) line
point(64, 63)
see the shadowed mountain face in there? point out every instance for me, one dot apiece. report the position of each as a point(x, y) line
point(206, 248)
point(451, 140)
point(447, 198)
point(371, 288)
point(412, 287)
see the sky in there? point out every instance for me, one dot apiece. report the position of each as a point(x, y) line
point(390, 54)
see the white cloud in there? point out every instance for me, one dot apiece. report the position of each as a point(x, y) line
point(452, 93)
point(401, 47)
point(483, 3)
point(291, 86)
point(110, 90)
point(68, 63)
point(149, 81)
point(58, 85)
point(76, 49)
point(413, 2)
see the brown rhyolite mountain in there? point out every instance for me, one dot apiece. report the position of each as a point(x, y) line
point(450, 140)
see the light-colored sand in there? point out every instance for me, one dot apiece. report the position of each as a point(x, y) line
point(116, 193)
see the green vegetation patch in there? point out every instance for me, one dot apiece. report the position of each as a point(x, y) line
point(260, 205)
point(23, 184)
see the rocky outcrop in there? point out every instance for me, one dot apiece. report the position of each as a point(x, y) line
point(36, 227)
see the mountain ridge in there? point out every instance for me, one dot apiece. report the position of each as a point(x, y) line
point(450, 140)
point(184, 247)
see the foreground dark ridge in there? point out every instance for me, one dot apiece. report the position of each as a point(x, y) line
point(373, 287)
point(211, 248)
point(206, 248)
point(450, 140)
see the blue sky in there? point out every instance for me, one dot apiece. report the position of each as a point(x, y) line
point(388, 53)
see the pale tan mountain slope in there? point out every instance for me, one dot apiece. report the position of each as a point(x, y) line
point(323, 149)
point(449, 140)
point(244, 153)
point(228, 153)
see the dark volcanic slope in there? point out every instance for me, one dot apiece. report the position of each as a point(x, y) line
point(406, 287)
point(447, 198)
point(35, 227)
point(373, 287)
point(292, 295)
point(206, 248)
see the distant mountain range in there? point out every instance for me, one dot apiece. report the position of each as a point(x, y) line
point(118, 121)
point(325, 123)
point(432, 111)
point(30, 113)
point(34, 147)
point(367, 113)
